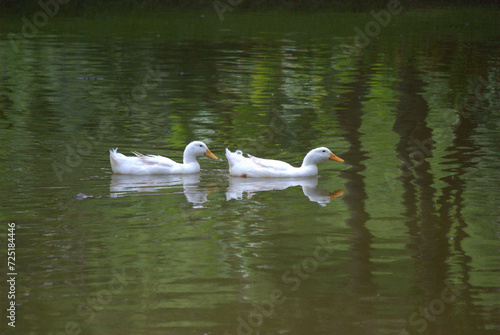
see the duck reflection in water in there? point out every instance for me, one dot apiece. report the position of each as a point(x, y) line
point(128, 185)
point(238, 186)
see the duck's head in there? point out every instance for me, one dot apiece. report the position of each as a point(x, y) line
point(320, 155)
point(198, 148)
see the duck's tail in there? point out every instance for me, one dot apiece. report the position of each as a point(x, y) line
point(229, 156)
point(113, 155)
point(233, 157)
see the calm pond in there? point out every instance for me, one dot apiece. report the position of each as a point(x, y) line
point(401, 238)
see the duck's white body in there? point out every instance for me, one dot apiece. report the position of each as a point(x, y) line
point(154, 164)
point(241, 166)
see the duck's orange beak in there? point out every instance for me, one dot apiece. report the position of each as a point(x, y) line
point(335, 158)
point(336, 193)
point(209, 153)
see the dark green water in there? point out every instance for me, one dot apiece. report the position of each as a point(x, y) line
point(411, 103)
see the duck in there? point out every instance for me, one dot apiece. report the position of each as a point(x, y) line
point(255, 167)
point(159, 165)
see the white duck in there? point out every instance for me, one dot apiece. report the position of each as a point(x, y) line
point(257, 167)
point(154, 164)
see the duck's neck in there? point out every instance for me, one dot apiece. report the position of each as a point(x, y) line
point(189, 158)
point(308, 161)
point(308, 167)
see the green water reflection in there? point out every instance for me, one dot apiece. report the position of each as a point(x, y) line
point(403, 236)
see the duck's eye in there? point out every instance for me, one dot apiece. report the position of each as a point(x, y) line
point(201, 146)
point(324, 150)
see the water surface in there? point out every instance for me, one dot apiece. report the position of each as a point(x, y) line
point(402, 237)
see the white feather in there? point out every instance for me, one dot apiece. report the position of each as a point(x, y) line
point(155, 164)
point(270, 168)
